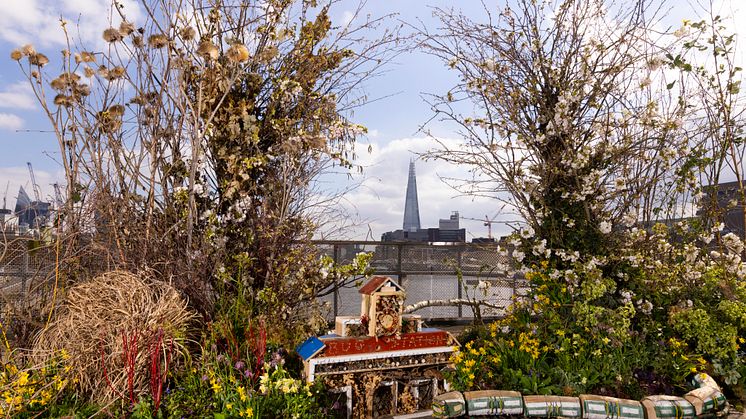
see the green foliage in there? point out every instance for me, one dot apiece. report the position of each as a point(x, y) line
point(562, 339)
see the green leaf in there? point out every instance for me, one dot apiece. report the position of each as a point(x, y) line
point(734, 87)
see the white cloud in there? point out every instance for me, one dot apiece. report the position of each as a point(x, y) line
point(16, 176)
point(10, 122)
point(38, 21)
point(379, 200)
point(17, 96)
point(347, 17)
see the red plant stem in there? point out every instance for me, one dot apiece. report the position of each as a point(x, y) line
point(260, 347)
point(129, 356)
point(158, 378)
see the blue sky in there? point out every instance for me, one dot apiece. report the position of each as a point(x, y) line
point(393, 122)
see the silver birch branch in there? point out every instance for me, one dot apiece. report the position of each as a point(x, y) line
point(452, 302)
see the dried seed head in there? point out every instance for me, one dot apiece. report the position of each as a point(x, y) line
point(112, 35)
point(28, 50)
point(35, 74)
point(115, 73)
point(126, 28)
point(238, 53)
point(208, 50)
point(89, 72)
point(65, 52)
point(157, 41)
point(116, 110)
point(38, 59)
point(16, 55)
point(78, 58)
point(58, 84)
point(103, 72)
point(188, 33)
point(137, 100)
point(82, 90)
point(70, 78)
point(137, 41)
point(62, 100)
point(87, 57)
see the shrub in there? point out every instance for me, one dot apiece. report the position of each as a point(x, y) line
point(105, 325)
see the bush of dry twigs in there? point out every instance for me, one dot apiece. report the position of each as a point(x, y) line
point(100, 321)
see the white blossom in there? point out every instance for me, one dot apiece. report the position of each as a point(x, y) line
point(604, 227)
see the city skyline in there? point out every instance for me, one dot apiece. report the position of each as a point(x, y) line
point(375, 205)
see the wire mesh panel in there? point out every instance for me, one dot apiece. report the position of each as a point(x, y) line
point(431, 272)
point(26, 266)
point(432, 287)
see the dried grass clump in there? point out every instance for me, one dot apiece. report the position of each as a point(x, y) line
point(95, 317)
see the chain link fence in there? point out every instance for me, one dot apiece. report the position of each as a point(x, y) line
point(426, 271)
point(430, 272)
point(26, 266)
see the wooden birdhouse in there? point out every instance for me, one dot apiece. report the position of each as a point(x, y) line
point(383, 301)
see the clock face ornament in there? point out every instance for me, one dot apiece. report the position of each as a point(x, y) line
point(387, 315)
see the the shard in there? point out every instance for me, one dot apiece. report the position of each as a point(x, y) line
point(411, 207)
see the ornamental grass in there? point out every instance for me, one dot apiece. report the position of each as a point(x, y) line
point(110, 328)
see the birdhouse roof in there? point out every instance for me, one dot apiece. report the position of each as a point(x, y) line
point(377, 282)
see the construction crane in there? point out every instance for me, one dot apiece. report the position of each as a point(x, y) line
point(487, 222)
point(34, 186)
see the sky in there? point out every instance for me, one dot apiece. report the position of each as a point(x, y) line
point(376, 204)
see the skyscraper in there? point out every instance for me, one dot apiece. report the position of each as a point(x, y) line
point(411, 206)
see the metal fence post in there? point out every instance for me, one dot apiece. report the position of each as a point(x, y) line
point(24, 272)
point(402, 276)
point(459, 284)
point(336, 284)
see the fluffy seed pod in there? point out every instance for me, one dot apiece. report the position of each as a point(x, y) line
point(157, 41)
point(188, 33)
point(115, 73)
point(35, 74)
point(103, 72)
point(116, 110)
point(112, 35)
point(126, 28)
point(70, 78)
point(208, 50)
point(16, 55)
point(28, 50)
point(87, 57)
point(238, 53)
point(137, 100)
point(38, 59)
point(58, 84)
point(81, 90)
point(89, 72)
point(62, 100)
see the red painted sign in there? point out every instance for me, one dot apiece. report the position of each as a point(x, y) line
point(349, 345)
